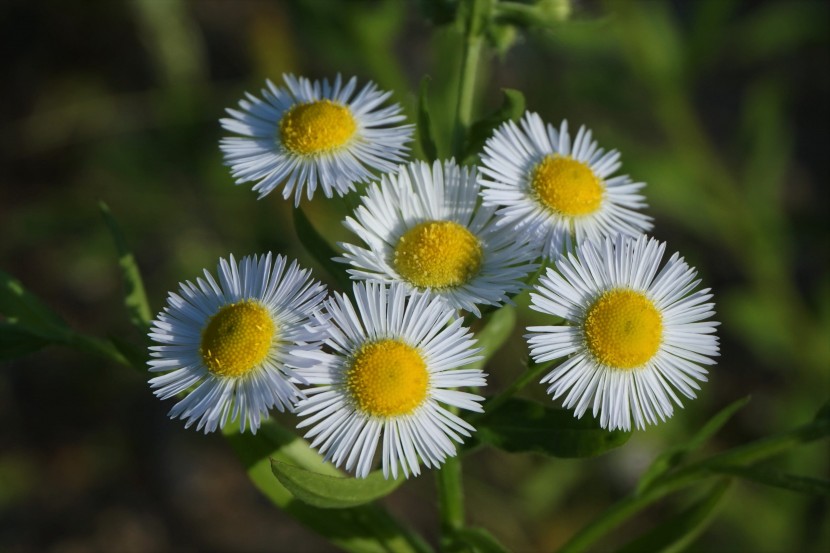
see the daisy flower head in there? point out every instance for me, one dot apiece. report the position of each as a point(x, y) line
point(311, 133)
point(635, 334)
point(387, 378)
point(558, 192)
point(425, 227)
point(231, 346)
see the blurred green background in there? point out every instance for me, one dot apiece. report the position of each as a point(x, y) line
point(720, 106)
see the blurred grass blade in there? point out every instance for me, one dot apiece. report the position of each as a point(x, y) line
point(364, 529)
point(675, 455)
point(519, 425)
point(320, 250)
point(778, 479)
point(333, 492)
point(475, 540)
point(425, 132)
point(135, 299)
point(511, 109)
point(19, 305)
point(16, 341)
point(498, 327)
point(680, 531)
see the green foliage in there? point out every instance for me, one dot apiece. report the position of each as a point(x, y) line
point(498, 327)
point(474, 540)
point(524, 426)
point(320, 249)
point(425, 132)
point(512, 107)
point(333, 492)
point(779, 479)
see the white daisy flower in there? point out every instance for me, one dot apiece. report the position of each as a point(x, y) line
point(426, 228)
point(558, 193)
point(231, 346)
point(392, 363)
point(633, 336)
point(313, 133)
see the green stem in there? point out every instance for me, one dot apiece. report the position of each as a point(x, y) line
point(671, 482)
point(532, 372)
point(450, 497)
point(477, 15)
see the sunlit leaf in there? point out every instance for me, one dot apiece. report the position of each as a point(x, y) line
point(320, 249)
point(511, 109)
point(135, 298)
point(425, 131)
point(364, 529)
point(520, 425)
point(679, 531)
point(333, 492)
point(674, 455)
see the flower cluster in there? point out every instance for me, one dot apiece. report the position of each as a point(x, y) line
point(383, 365)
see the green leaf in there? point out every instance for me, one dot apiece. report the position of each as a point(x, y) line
point(681, 530)
point(511, 109)
point(675, 455)
point(19, 305)
point(320, 249)
point(519, 425)
point(135, 298)
point(498, 327)
point(363, 529)
point(16, 341)
point(425, 132)
point(333, 492)
point(778, 479)
point(475, 540)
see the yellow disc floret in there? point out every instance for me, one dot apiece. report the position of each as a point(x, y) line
point(316, 127)
point(387, 378)
point(237, 339)
point(438, 254)
point(566, 186)
point(623, 329)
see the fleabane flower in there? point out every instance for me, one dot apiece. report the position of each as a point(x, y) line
point(231, 346)
point(557, 192)
point(387, 378)
point(635, 334)
point(313, 133)
point(424, 227)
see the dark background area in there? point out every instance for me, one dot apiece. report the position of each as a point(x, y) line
point(720, 106)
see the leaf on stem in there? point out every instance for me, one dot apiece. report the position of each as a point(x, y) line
point(675, 455)
point(135, 298)
point(498, 327)
point(320, 249)
point(520, 425)
point(20, 306)
point(475, 540)
point(511, 109)
point(425, 137)
point(778, 479)
point(681, 530)
point(16, 341)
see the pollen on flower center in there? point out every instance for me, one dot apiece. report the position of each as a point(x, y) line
point(623, 329)
point(438, 254)
point(316, 127)
point(387, 378)
point(566, 186)
point(237, 339)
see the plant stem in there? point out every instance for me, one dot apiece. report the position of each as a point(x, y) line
point(477, 13)
point(450, 497)
point(532, 372)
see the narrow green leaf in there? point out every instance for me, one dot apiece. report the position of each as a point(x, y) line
point(511, 109)
point(675, 455)
point(135, 298)
point(363, 529)
point(425, 137)
point(519, 425)
point(682, 529)
point(778, 479)
point(333, 492)
point(16, 341)
point(475, 540)
point(320, 249)
point(498, 327)
point(19, 305)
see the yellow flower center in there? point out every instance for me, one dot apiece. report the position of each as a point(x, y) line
point(566, 186)
point(438, 254)
point(316, 127)
point(237, 339)
point(387, 378)
point(623, 329)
